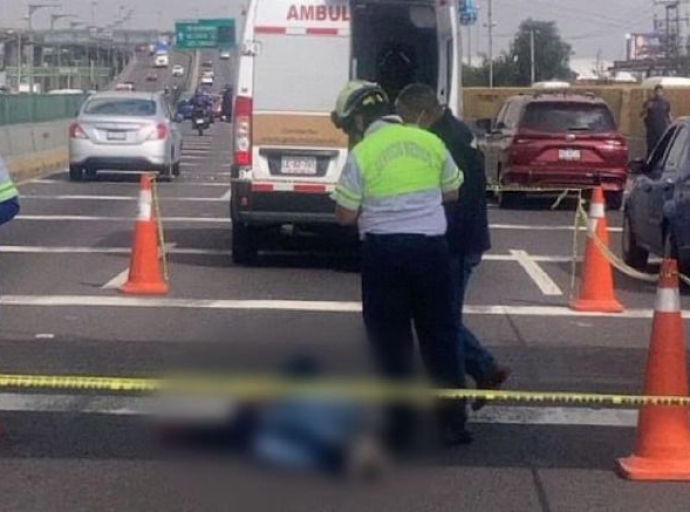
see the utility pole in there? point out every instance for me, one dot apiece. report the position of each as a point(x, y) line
point(672, 33)
point(32, 9)
point(469, 46)
point(491, 26)
point(532, 52)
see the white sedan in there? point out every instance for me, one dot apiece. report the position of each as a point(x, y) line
point(177, 70)
point(207, 80)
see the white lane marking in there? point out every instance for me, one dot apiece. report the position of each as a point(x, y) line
point(173, 407)
point(96, 218)
point(537, 274)
point(186, 158)
point(295, 305)
point(207, 220)
point(226, 197)
point(116, 282)
point(557, 416)
point(19, 249)
point(131, 185)
point(528, 227)
point(219, 409)
point(32, 249)
point(118, 198)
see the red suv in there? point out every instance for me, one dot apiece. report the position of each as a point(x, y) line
point(557, 140)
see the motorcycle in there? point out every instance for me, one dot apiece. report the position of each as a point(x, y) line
point(200, 122)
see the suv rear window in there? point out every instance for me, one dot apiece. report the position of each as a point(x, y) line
point(120, 107)
point(559, 117)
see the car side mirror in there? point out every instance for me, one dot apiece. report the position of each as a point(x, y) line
point(638, 167)
point(499, 127)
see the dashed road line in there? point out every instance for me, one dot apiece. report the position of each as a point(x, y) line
point(547, 286)
point(116, 282)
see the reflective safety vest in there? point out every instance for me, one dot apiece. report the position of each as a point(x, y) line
point(398, 159)
point(7, 189)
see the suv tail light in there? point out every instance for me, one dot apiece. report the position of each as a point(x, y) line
point(615, 144)
point(244, 109)
point(76, 131)
point(160, 133)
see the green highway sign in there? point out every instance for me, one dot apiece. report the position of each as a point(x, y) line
point(204, 34)
point(193, 36)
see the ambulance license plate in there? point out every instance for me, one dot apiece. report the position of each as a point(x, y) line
point(298, 166)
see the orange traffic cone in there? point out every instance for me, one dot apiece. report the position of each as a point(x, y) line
point(145, 276)
point(662, 450)
point(596, 288)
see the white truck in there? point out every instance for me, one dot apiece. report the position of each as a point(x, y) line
point(162, 60)
point(295, 58)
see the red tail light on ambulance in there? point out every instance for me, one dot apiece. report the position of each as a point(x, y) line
point(243, 131)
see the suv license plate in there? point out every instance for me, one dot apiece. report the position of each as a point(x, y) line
point(569, 154)
point(298, 166)
point(117, 136)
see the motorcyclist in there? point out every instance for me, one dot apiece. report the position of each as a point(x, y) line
point(201, 106)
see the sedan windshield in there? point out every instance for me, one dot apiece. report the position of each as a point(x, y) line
point(120, 107)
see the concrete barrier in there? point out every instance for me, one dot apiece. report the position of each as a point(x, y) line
point(33, 150)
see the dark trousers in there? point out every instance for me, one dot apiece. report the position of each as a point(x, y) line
point(479, 363)
point(406, 279)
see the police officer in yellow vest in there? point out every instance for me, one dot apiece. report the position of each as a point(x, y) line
point(393, 186)
point(9, 196)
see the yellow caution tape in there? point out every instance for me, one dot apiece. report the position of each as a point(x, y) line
point(248, 388)
point(161, 234)
point(615, 260)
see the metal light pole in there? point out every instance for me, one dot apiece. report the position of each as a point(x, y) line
point(73, 25)
point(491, 25)
point(94, 3)
point(58, 61)
point(533, 63)
point(32, 10)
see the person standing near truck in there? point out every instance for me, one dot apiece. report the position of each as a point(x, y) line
point(657, 117)
point(468, 225)
point(393, 186)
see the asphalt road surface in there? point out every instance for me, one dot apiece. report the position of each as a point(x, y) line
point(66, 254)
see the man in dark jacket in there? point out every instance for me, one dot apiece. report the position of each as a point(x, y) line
point(657, 117)
point(468, 227)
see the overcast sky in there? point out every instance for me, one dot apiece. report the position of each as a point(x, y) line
point(589, 25)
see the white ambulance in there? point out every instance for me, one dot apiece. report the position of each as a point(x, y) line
point(296, 55)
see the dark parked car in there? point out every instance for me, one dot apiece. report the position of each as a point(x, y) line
point(556, 140)
point(657, 208)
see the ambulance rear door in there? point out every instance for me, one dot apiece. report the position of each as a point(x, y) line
point(301, 64)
